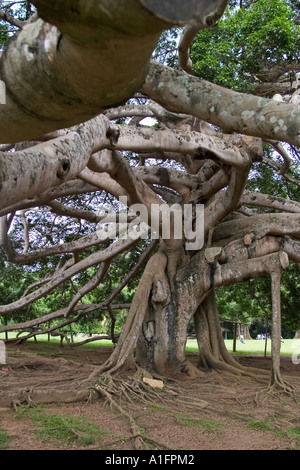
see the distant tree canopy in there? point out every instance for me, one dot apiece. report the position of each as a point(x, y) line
point(252, 49)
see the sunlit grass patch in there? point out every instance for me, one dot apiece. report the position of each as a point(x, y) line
point(62, 428)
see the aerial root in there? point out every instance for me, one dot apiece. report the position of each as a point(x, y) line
point(136, 433)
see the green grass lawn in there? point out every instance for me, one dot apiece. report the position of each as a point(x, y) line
point(288, 346)
point(254, 346)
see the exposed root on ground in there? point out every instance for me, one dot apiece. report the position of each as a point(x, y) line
point(131, 390)
point(128, 389)
point(274, 389)
point(278, 387)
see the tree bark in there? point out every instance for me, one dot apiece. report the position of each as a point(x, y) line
point(212, 351)
point(162, 340)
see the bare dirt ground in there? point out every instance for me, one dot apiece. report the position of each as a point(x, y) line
point(219, 412)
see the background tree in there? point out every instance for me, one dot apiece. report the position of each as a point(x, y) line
point(253, 49)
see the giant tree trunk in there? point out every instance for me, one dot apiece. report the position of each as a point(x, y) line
point(162, 309)
point(162, 340)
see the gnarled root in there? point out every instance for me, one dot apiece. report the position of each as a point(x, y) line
point(279, 385)
point(212, 350)
point(129, 390)
point(122, 358)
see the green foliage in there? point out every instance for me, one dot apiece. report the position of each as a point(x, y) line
point(251, 303)
point(205, 425)
point(236, 304)
point(245, 42)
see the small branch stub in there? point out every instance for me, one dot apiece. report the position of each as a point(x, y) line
point(179, 12)
point(284, 260)
point(213, 254)
point(64, 168)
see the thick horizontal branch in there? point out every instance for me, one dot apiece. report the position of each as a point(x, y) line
point(249, 247)
point(22, 173)
point(231, 111)
point(196, 279)
point(69, 188)
point(255, 198)
point(227, 148)
point(69, 68)
point(261, 225)
point(231, 273)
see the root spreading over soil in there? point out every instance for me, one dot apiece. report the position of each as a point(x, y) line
point(219, 411)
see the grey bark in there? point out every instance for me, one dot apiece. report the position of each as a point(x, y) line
point(232, 111)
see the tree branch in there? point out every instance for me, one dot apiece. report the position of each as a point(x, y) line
point(94, 259)
point(189, 33)
point(231, 111)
